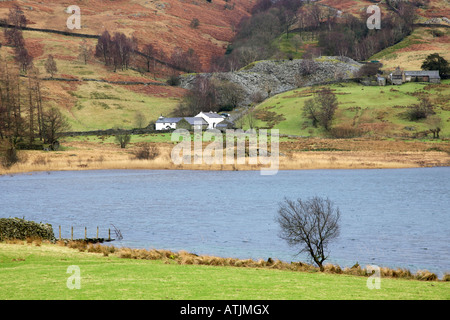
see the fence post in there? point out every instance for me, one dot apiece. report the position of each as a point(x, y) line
point(71, 233)
point(109, 234)
point(85, 233)
point(59, 233)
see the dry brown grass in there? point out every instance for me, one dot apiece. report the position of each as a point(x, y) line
point(295, 154)
point(425, 275)
point(186, 258)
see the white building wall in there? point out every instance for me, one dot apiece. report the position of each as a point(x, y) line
point(212, 122)
point(165, 125)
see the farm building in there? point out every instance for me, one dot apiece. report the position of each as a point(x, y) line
point(204, 120)
point(399, 76)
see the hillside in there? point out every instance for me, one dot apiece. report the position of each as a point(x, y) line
point(165, 24)
point(93, 105)
point(90, 104)
point(434, 9)
point(372, 110)
point(412, 51)
point(267, 78)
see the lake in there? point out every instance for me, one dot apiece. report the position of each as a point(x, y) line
point(389, 217)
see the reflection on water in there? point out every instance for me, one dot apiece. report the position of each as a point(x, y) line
point(394, 218)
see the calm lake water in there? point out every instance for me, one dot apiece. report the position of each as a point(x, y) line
point(393, 218)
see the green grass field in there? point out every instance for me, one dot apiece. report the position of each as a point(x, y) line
point(377, 109)
point(40, 272)
point(105, 106)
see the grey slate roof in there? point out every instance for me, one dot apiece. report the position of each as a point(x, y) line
point(196, 120)
point(430, 73)
point(224, 124)
point(168, 120)
point(213, 115)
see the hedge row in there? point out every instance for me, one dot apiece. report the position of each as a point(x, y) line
point(15, 228)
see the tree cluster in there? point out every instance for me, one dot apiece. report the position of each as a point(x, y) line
point(321, 109)
point(210, 95)
point(116, 50)
point(14, 37)
point(344, 35)
point(186, 60)
point(255, 35)
point(435, 62)
point(122, 52)
point(349, 36)
point(23, 118)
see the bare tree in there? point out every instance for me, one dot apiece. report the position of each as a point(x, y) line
point(24, 59)
point(250, 117)
point(310, 225)
point(321, 109)
point(150, 52)
point(103, 48)
point(54, 124)
point(139, 119)
point(328, 104)
point(50, 66)
point(18, 21)
point(297, 42)
point(85, 52)
point(123, 138)
point(434, 124)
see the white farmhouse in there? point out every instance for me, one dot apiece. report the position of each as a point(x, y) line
point(212, 118)
point(188, 123)
point(166, 123)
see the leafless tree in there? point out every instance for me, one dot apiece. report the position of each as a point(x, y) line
point(123, 138)
point(321, 109)
point(17, 20)
point(85, 51)
point(434, 124)
point(311, 225)
point(54, 124)
point(250, 117)
point(50, 66)
point(139, 119)
point(149, 51)
point(297, 42)
point(24, 59)
point(103, 48)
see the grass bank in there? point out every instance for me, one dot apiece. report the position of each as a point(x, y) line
point(374, 111)
point(39, 271)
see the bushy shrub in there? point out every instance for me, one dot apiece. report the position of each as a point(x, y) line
point(345, 132)
point(146, 151)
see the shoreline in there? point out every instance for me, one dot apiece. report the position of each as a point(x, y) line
point(183, 257)
point(297, 154)
point(327, 160)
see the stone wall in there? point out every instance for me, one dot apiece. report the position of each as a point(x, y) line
point(15, 228)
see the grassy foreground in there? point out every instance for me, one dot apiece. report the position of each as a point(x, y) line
point(39, 272)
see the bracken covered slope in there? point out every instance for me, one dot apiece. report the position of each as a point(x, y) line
point(165, 24)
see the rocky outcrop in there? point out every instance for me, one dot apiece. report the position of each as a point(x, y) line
point(267, 78)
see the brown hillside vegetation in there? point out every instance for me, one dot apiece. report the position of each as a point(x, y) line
point(165, 24)
point(435, 8)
